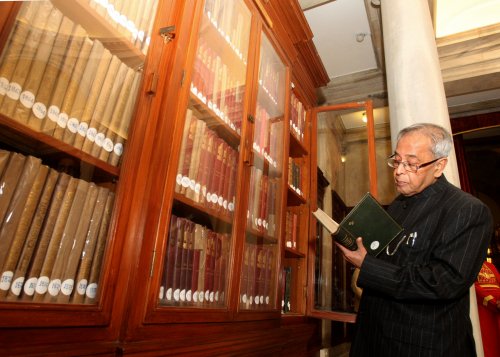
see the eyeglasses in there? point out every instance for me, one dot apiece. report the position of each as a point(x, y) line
point(392, 162)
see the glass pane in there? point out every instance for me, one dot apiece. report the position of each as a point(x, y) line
point(343, 160)
point(258, 279)
point(199, 242)
point(69, 78)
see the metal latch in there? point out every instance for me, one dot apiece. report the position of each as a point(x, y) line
point(167, 33)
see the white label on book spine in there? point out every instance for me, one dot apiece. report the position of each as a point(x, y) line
point(42, 284)
point(4, 85)
point(99, 139)
point(17, 286)
point(29, 287)
point(27, 99)
point(177, 292)
point(54, 113)
point(67, 286)
point(73, 125)
point(91, 291)
point(108, 145)
point(192, 184)
point(189, 295)
point(81, 287)
point(118, 149)
point(62, 120)
point(91, 134)
point(178, 179)
point(14, 91)
point(54, 287)
point(39, 110)
point(6, 279)
point(185, 181)
point(82, 129)
point(375, 244)
point(169, 294)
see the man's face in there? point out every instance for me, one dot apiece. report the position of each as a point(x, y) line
point(415, 148)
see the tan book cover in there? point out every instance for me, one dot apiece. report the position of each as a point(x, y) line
point(47, 82)
point(98, 58)
point(4, 159)
point(88, 250)
point(48, 225)
point(77, 242)
point(26, 101)
point(76, 81)
point(33, 234)
point(185, 133)
point(67, 85)
point(17, 204)
point(9, 181)
point(67, 241)
point(18, 239)
point(369, 220)
point(45, 271)
point(25, 59)
point(195, 160)
point(97, 260)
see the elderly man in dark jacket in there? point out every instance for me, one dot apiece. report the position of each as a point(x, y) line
point(416, 293)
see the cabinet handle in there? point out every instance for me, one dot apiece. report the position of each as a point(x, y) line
point(152, 83)
point(167, 33)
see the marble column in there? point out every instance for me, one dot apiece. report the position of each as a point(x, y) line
point(415, 85)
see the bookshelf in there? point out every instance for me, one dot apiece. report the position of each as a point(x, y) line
point(176, 165)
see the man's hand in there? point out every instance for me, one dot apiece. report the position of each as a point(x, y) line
point(355, 257)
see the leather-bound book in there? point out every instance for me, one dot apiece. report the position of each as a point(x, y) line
point(4, 159)
point(368, 219)
point(176, 288)
point(182, 152)
point(97, 260)
point(195, 159)
point(57, 230)
point(197, 251)
point(244, 278)
point(188, 153)
point(48, 225)
point(68, 275)
point(190, 262)
point(202, 245)
point(203, 165)
point(32, 237)
point(17, 204)
point(88, 93)
point(169, 264)
point(67, 240)
point(88, 252)
point(217, 266)
point(9, 179)
point(209, 267)
point(268, 277)
point(64, 92)
point(18, 235)
point(183, 280)
point(42, 86)
point(252, 256)
point(25, 59)
point(207, 172)
point(107, 94)
point(26, 101)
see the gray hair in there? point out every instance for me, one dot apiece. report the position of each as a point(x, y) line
point(440, 138)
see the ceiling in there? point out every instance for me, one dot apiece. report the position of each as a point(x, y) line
point(348, 38)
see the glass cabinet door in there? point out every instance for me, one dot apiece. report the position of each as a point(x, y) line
point(262, 244)
point(69, 78)
point(197, 256)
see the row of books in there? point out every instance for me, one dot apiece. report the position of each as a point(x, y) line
point(208, 167)
point(264, 196)
point(297, 117)
point(271, 78)
point(295, 175)
point(55, 79)
point(133, 19)
point(256, 290)
point(232, 21)
point(195, 266)
point(53, 232)
point(216, 84)
point(266, 138)
point(291, 228)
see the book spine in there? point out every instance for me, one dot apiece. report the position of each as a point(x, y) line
point(49, 222)
point(88, 251)
point(95, 271)
point(18, 203)
point(182, 153)
point(169, 264)
point(344, 237)
point(176, 288)
point(10, 179)
point(200, 295)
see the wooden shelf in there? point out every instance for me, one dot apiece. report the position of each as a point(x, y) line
point(297, 148)
point(293, 253)
point(31, 142)
point(294, 199)
point(98, 28)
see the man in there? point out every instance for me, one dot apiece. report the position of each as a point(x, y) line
point(416, 293)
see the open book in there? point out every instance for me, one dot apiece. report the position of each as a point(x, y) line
point(369, 220)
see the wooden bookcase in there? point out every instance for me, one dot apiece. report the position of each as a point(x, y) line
point(206, 151)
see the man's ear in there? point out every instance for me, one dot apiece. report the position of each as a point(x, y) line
point(439, 167)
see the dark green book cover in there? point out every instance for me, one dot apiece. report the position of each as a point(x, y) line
point(369, 220)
